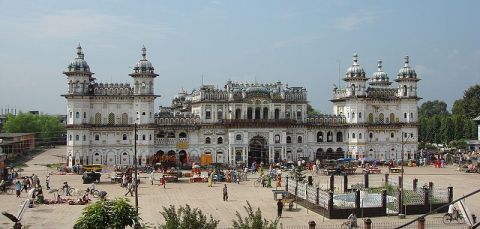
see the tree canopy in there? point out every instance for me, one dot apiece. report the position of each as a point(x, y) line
point(45, 127)
point(431, 108)
point(115, 214)
point(469, 104)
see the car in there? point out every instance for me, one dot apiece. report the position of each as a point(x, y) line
point(91, 177)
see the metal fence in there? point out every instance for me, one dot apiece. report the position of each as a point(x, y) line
point(439, 195)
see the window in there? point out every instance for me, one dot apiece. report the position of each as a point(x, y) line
point(299, 139)
point(98, 118)
point(381, 118)
point(320, 136)
point(353, 114)
point(70, 137)
point(136, 137)
point(143, 113)
point(124, 118)
point(289, 139)
point(370, 118)
point(411, 115)
point(257, 113)
point(182, 135)
point(84, 138)
point(97, 137)
point(220, 140)
point(219, 115)
point(287, 114)
point(371, 135)
point(411, 135)
point(171, 135)
point(144, 137)
point(249, 113)
point(405, 115)
point(329, 136)
point(238, 137)
point(359, 114)
point(77, 114)
point(392, 135)
point(353, 135)
point(238, 113)
point(77, 137)
point(299, 115)
point(277, 114)
point(339, 136)
point(124, 137)
point(208, 115)
point(70, 114)
point(265, 113)
point(150, 137)
point(207, 140)
point(360, 136)
point(277, 138)
point(392, 117)
point(404, 90)
point(84, 114)
point(111, 119)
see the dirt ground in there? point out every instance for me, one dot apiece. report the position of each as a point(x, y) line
point(209, 199)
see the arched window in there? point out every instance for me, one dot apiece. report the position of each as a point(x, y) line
point(207, 140)
point(320, 136)
point(405, 115)
point(277, 114)
point(238, 113)
point(404, 90)
point(277, 138)
point(265, 113)
point(124, 118)
point(371, 135)
point(339, 136)
point(171, 135)
point(381, 118)
point(97, 137)
point(360, 136)
point(359, 114)
point(219, 115)
point(208, 114)
point(411, 115)
point(84, 138)
point(370, 118)
point(249, 113)
point(77, 114)
point(220, 140)
point(124, 137)
point(299, 139)
point(353, 114)
point(329, 136)
point(353, 135)
point(257, 113)
point(182, 135)
point(111, 119)
point(238, 137)
point(289, 139)
point(392, 135)
point(98, 118)
point(392, 117)
point(144, 137)
point(77, 137)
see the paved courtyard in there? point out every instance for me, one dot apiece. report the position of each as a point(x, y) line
point(209, 200)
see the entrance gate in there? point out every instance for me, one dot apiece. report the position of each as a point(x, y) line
point(257, 150)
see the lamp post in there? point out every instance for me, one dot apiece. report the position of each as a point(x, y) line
point(137, 223)
point(401, 209)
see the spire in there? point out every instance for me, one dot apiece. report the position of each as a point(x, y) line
point(379, 64)
point(355, 58)
point(144, 53)
point(79, 52)
point(406, 60)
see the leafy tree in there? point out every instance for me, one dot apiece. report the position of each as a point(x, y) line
point(45, 127)
point(253, 220)
point(298, 173)
point(434, 129)
point(458, 108)
point(114, 214)
point(458, 123)
point(430, 108)
point(447, 130)
point(186, 218)
point(471, 101)
point(311, 111)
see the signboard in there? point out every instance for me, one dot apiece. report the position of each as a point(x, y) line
point(182, 145)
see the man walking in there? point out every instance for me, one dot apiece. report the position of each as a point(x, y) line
point(129, 188)
point(18, 188)
point(279, 208)
point(225, 193)
point(47, 182)
point(152, 177)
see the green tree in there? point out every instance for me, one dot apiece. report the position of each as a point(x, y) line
point(468, 129)
point(471, 101)
point(46, 127)
point(458, 122)
point(447, 130)
point(113, 214)
point(434, 130)
point(253, 220)
point(458, 108)
point(186, 218)
point(298, 173)
point(311, 111)
point(430, 108)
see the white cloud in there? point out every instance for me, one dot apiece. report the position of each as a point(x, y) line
point(355, 20)
point(75, 23)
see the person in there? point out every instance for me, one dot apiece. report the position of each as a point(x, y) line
point(225, 193)
point(26, 183)
point(3, 185)
point(163, 181)
point(59, 199)
point(210, 180)
point(129, 188)
point(18, 188)
point(152, 177)
point(452, 211)
point(279, 208)
point(91, 188)
point(66, 189)
point(47, 182)
point(102, 195)
point(352, 219)
point(124, 180)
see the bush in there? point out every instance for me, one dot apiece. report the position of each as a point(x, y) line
point(116, 214)
point(253, 220)
point(186, 218)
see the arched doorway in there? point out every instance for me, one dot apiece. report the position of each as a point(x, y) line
point(124, 159)
point(329, 154)
point(182, 155)
point(157, 158)
point(257, 150)
point(320, 154)
point(339, 153)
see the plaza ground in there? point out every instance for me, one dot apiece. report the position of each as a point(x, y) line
point(208, 199)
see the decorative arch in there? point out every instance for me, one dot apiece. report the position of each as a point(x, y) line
point(98, 118)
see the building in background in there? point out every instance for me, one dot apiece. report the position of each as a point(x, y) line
point(240, 123)
point(14, 144)
point(474, 145)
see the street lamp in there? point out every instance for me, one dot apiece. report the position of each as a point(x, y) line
point(137, 223)
point(404, 139)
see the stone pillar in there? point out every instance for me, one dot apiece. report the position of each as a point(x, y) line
point(317, 198)
point(330, 201)
point(386, 179)
point(450, 194)
point(400, 181)
point(415, 184)
point(286, 183)
point(365, 180)
point(367, 223)
point(357, 200)
point(345, 183)
point(426, 199)
point(421, 223)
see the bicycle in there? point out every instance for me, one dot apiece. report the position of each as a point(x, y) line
point(60, 191)
point(257, 182)
point(448, 218)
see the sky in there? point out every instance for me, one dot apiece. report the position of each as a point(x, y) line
point(301, 43)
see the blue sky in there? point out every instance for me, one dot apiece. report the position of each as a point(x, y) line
point(301, 43)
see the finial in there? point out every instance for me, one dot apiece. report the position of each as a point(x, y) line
point(355, 57)
point(79, 51)
point(406, 60)
point(144, 53)
point(379, 65)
